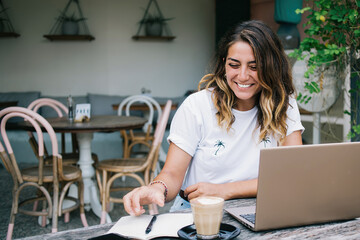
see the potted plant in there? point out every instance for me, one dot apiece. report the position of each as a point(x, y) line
point(70, 24)
point(3, 19)
point(154, 24)
point(331, 44)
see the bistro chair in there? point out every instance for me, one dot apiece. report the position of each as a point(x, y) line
point(60, 177)
point(141, 169)
point(135, 138)
point(69, 158)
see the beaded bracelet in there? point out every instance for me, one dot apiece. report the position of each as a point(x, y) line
point(162, 183)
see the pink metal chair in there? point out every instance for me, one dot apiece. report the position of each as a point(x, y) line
point(107, 171)
point(69, 158)
point(57, 175)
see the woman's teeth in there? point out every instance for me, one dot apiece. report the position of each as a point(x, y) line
point(244, 85)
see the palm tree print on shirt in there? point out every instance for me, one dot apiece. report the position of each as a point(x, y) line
point(265, 141)
point(219, 144)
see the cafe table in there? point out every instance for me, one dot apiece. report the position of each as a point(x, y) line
point(337, 230)
point(84, 132)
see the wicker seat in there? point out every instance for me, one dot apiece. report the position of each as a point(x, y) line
point(135, 138)
point(107, 171)
point(52, 181)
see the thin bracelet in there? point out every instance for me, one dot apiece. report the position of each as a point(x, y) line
point(162, 183)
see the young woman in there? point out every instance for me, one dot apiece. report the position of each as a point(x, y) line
point(216, 135)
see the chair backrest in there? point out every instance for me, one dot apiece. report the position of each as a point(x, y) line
point(61, 110)
point(59, 107)
point(159, 135)
point(161, 125)
point(37, 121)
point(148, 101)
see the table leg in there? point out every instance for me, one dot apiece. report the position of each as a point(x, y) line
point(91, 195)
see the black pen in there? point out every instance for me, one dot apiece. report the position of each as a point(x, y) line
point(149, 227)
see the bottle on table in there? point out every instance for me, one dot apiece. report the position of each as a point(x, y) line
point(70, 108)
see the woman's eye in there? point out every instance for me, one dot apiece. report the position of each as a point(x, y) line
point(253, 68)
point(233, 65)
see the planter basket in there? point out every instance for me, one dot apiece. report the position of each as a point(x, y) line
point(329, 78)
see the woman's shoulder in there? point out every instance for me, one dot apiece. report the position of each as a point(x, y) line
point(199, 97)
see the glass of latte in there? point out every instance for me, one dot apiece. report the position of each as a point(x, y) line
point(207, 213)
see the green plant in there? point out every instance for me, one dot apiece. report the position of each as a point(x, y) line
point(333, 33)
point(152, 19)
point(2, 18)
point(67, 18)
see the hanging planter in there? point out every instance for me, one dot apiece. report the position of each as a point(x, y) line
point(6, 28)
point(153, 29)
point(1, 26)
point(155, 26)
point(70, 27)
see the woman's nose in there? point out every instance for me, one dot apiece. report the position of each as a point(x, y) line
point(243, 74)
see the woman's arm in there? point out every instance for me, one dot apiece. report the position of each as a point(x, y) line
point(293, 138)
point(172, 175)
point(239, 189)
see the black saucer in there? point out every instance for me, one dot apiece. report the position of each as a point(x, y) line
point(227, 231)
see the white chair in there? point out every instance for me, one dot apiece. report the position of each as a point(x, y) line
point(132, 138)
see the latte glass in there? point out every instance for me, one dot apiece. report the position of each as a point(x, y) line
point(207, 213)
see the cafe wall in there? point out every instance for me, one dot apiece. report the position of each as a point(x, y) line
point(113, 63)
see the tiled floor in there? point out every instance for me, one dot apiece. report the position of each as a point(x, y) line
point(26, 226)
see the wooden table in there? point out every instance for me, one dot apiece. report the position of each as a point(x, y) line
point(8, 104)
point(84, 132)
point(350, 229)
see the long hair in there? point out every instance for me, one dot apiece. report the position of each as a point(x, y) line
point(274, 75)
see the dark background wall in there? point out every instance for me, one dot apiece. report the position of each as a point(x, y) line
point(228, 13)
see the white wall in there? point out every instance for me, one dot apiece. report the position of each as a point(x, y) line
point(113, 63)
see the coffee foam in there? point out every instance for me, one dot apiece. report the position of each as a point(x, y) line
point(209, 201)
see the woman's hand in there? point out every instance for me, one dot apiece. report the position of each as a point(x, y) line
point(205, 189)
point(134, 200)
point(239, 189)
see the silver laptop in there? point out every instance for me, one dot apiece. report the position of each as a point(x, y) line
point(302, 185)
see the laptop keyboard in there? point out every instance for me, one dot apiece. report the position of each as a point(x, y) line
point(249, 217)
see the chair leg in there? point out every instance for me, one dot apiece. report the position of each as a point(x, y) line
point(103, 197)
point(11, 223)
point(67, 217)
point(10, 231)
point(55, 208)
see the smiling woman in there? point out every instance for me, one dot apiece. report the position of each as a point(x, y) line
point(245, 105)
point(241, 75)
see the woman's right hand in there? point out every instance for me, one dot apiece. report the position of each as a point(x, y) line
point(134, 200)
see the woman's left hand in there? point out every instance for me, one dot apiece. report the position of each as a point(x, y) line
point(204, 189)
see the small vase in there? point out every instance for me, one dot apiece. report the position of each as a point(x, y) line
point(153, 29)
point(70, 28)
point(289, 35)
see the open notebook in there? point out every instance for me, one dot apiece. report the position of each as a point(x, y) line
point(301, 185)
point(130, 227)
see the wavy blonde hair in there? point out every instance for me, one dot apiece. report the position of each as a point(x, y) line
point(274, 75)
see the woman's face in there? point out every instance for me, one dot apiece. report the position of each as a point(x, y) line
point(241, 75)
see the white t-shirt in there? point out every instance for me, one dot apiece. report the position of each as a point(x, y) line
point(219, 156)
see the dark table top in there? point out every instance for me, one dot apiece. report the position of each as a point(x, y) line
point(8, 104)
point(105, 123)
point(350, 229)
